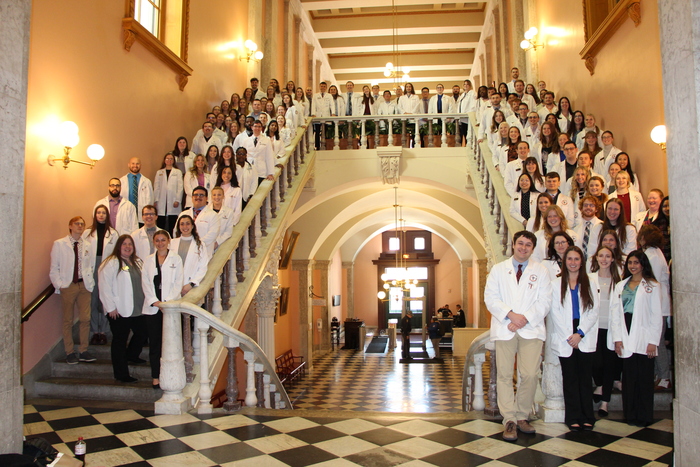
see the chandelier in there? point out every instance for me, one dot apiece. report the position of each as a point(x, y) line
point(399, 276)
point(397, 73)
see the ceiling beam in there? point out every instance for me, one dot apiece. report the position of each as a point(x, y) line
point(460, 66)
point(401, 31)
point(401, 48)
point(331, 4)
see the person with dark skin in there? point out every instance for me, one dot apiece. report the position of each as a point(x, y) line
point(406, 335)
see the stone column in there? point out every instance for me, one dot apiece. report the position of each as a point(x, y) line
point(464, 281)
point(313, 80)
point(14, 59)
point(325, 292)
point(349, 298)
point(255, 33)
point(680, 51)
point(482, 317)
point(296, 40)
point(265, 301)
point(552, 410)
point(305, 268)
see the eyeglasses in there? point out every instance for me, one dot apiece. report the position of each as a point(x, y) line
point(199, 195)
point(561, 243)
point(115, 186)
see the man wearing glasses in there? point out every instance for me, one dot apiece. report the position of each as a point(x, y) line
point(143, 237)
point(532, 130)
point(122, 214)
point(205, 218)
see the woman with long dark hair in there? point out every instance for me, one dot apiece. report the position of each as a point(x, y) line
point(184, 158)
point(556, 248)
point(167, 193)
point(636, 324)
point(192, 251)
point(122, 297)
point(574, 336)
point(523, 203)
point(615, 218)
point(563, 114)
point(576, 126)
point(537, 221)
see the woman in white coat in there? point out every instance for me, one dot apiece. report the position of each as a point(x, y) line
point(556, 248)
point(233, 195)
point(122, 297)
point(635, 324)
point(100, 238)
point(615, 218)
point(630, 197)
point(167, 193)
point(198, 175)
point(161, 280)
point(523, 204)
point(574, 336)
point(555, 221)
point(607, 367)
point(192, 251)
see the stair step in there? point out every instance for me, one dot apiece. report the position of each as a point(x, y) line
point(97, 389)
point(662, 401)
point(101, 369)
point(104, 352)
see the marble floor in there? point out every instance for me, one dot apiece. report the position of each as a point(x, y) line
point(353, 409)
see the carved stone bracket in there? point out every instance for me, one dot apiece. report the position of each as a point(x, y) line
point(390, 163)
point(590, 64)
point(635, 13)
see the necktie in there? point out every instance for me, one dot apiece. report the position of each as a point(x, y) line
point(349, 103)
point(76, 267)
point(310, 106)
point(525, 205)
point(425, 106)
point(196, 213)
point(255, 141)
point(519, 274)
point(586, 235)
point(439, 103)
point(134, 192)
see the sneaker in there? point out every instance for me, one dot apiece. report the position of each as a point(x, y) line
point(86, 357)
point(72, 359)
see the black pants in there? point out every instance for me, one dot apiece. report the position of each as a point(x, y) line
point(638, 389)
point(317, 135)
point(578, 393)
point(120, 335)
point(154, 328)
point(167, 223)
point(463, 131)
point(607, 366)
point(406, 347)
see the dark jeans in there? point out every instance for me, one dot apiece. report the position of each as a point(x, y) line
point(120, 335)
point(154, 328)
point(578, 393)
point(607, 366)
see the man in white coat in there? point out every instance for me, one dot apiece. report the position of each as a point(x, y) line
point(136, 187)
point(518, 296)
point(143, 237)
point(201, 142)
point(320, 107)
point(514, 169)
point(246, 175)
point(552, 183)
point(72, 278)
point(205, 218)
point(588, 230)
point(260, 155)
point(122, 214)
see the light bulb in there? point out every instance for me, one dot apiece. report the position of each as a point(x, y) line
point(95, 152)
point(387, 73)
point(389, 66)
point(530, 33)
point(250, 45)
point(386, 286)
point(393, 282)
point(70, 140)
point(525, 44)
point(68, 128)
point(381, 295)
point(658, 134)
point(258, 55)
point(406, 70)
point(384, 277)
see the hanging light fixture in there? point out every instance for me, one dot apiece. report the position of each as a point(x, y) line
point(393, 69)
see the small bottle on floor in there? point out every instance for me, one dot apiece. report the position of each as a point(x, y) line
point(80, 449)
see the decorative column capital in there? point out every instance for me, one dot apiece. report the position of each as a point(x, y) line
point(322, 265)
point(348, 264)
point(302, 264)
point(389, 163)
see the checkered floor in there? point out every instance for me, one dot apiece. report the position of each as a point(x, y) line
point(263, 438)
point(351, 380)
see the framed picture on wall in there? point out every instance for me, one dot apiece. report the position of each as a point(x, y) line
point(290, 241)
point(336, 300)
point(283, 302)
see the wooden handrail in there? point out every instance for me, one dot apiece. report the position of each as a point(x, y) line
point(37, 302)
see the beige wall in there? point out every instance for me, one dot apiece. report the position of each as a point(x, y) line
point(336, 287)
point(625, 93)
point(447, 275)
point(127, 101)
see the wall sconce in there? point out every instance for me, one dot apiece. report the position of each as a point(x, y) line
point(253, 52)
point(69, 139)
point(529, 43)
point(394, 72)
point(658, 135)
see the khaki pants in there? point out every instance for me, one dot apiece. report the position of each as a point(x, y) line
point(512, 406)
point(76, 295)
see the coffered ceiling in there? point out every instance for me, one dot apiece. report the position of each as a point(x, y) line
point(435, 41)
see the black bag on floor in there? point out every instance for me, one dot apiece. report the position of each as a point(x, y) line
point(40, 451)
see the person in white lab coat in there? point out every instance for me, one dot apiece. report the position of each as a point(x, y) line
point(198, 175)
point(136, 188)
point(161, 279)
point(167, 193)
point(122, 213)
point(518, 296)
point(588, 230)
point(556, 247)
point(100, 238)
point(226, 215)
point(206, 220)
point(192, 251)
point(574, 336)
point(635, 324)
point(122, 296)
point(615, 218)
point(143, 237)
point(555, 221)
point(246, 175)
point(523, 205)
point(233, 195)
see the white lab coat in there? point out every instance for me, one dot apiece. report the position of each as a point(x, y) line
point(116, 292)
point(564, 123)
point(553, 268)
point(513, 171)
point(544, 111)
point(167, 190)
point(240, 139)
point(62, 261)
point(293, 118)
point(515, 206)
point(662, 274)
point(636, 203)
point(195, 266)
point(358, 108)
point(107, 246)
point(247, 179)
point(646, 319)
point(200, 145)
point(127, 220)
point(541, 249)
point(601, 163)
point(594, 233)
point(530, 297)
point(191, 182)
point(171, 281)
point(448, 104)
point(581, 137)
point(303, 108)
point(226, 224)
point(233, 197)
point(409, 104)
point(321, 105)
point(145, 193)
point(261, 155)
point(141, 242)
point(207, 226)
point(561, 317)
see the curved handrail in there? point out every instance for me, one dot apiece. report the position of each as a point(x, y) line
point(500, 187)
point(37, 302)
point(477, 343)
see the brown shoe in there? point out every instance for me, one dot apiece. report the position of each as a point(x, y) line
point(95, 339)
point(525, 427)
point(510, 433)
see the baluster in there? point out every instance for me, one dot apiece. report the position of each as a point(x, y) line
point(216, 309)
point(259, 385)
point(307, 139)
point(478, 401)
point(228, 289)
point(252, 229)
point(172, 368)
point(204, 388)
point(363, 136)
point(497, 214)
point(250, 399)
point(323, 136)
point(504, 240)
point(492, 409)
point(258, 227)
point(298, 155)
point(404, 135)
point(336, 139)
point(431, 144)
point(240, 266)
point(196, 343)
point(458, 135)
point(376, 134)
point(417, 135)
point(263, 216)
point(279, 403)
point(266, 390)
point(232, 402)
point(187, 347)
point(444, 133)
point(290, 164)
point(390, 132)
point(274, 195)
point(349, 135)
point(273, 396)
point(283, 182)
